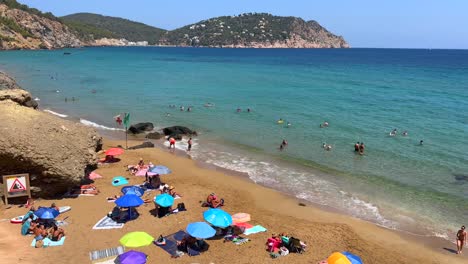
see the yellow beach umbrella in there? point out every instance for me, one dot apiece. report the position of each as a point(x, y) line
point(338, 258)
point(136, 239)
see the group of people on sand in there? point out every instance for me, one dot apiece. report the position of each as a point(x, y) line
point(283, 244)
point(41, 229)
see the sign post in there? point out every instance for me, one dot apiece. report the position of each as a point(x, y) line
point(16, 185)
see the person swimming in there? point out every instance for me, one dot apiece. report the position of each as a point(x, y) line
point(405, 133)
point(238, 110)
point(326, 146)
point(393, 133)
point(356, 147)
point(324, 124)
point(421, 142)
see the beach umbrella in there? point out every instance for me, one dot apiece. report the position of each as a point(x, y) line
point(133, 190)
point(338, 258)
point(132, 257)
point(164, 200)
point(352, 258)
point(119, 180)
point(46, 213)
point(217, 217)
point(159, 169)
point(114, 152)
point(136, 239)
point(240, 218)
point(129, 200)
point(200, 230)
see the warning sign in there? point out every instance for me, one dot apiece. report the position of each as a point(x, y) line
point(16, 185)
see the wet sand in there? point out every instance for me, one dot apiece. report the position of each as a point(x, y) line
point(324, 231)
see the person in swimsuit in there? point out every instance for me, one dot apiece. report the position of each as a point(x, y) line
point(189, 142)
point(356, 147)
point(57, 233)
point(461, 239)
point(361, 148)
point(172, 143)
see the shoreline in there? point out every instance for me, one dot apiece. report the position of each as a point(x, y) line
point(324, 231)
point(110, 133)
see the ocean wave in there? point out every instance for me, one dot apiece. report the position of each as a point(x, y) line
point(95, 125)
point(182, 145)
point(55, 113)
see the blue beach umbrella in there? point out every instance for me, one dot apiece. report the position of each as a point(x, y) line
point(352, 258)
point(46, 213)
point(217, 217)
point(159, 169)
point(200, 230)
point(164, 200)
point(119, 180)
point(133, 190)
point(129, 200)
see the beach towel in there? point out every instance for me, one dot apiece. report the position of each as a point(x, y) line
point(254, 230)
point(107, 223)
point(245, 225)
point(49, 243)
point(171, 242)
point(93, 175)
point(106, 253)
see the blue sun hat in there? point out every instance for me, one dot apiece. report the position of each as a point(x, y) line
point(119, 180)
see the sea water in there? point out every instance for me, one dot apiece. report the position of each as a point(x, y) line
point(363, 94)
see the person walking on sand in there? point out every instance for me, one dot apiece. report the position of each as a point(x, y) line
point(461, 239)
point(361, 148)
point(189, 142)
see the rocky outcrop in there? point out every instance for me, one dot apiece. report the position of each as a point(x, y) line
point(141, 128)
point(154, 135)
point(56, 152)
point(177, 132)
point(9, 90)
point(23, 30)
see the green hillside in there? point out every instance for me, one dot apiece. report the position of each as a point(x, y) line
point(93, 26)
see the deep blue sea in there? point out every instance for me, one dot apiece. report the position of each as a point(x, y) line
point(362, 93)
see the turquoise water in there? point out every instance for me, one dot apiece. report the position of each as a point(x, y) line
point(362, 93)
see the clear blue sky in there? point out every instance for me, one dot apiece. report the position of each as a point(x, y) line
point(363, 23)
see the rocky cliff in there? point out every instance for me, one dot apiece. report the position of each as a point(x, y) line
point(57, 153)
point(24, 30)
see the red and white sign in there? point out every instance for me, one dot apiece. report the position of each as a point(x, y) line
point(16, 184)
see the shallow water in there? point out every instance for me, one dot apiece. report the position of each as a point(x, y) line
point(362, 93)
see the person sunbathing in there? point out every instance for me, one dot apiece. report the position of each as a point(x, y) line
point(213, 201)
point(39, 232)
point(56, 233)
point(173, 193)
point(54, 206)
point(89, 189)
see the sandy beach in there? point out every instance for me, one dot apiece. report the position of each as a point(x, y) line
point(325, 232)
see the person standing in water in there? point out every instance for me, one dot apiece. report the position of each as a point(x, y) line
point(461, 239)
point(172, 143)
point(421, 142)
point(189, 142)
point(361, 148)
point(356, 147)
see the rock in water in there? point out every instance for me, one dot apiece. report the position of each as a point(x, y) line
point(178, 130)
point(57, 153)
point(154, 135)
point(9, 90)
point(141, 127)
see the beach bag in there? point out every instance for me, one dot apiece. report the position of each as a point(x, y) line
point(181, 207)
point(283, 251)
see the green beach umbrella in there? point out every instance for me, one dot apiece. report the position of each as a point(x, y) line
point(136, 239)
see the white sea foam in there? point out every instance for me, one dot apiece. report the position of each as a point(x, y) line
point(55, 113)
point(183, 145)
point(95, 125)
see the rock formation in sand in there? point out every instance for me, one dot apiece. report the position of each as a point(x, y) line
point(55, 152)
